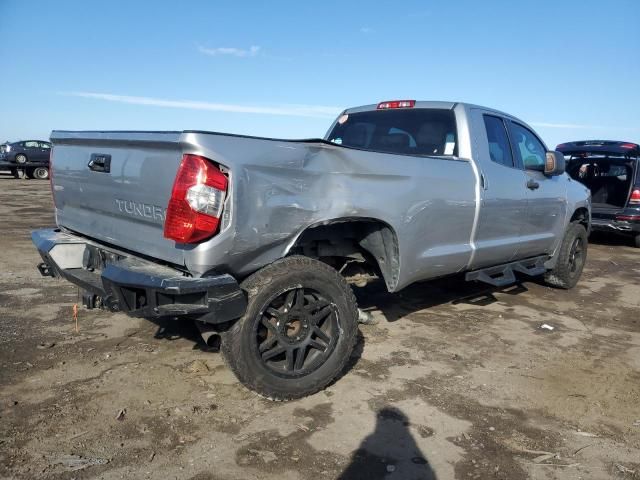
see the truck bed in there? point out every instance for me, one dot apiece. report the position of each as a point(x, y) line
point(277, 188)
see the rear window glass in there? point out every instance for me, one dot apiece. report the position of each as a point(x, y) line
point(418, 131)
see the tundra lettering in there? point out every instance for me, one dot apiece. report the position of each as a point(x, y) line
point(141, 209)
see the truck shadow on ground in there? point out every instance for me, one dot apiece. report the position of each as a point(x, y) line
point(390, 449)
point(394, 306)
point(171, 329)
point(419, 296)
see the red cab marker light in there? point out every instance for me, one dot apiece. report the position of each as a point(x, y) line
point(396, 104)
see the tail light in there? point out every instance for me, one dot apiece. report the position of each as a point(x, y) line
point(396, 104)
point(634, 199)
point(196, 201)
point(629, 145)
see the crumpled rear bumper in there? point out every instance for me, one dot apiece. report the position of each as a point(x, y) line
point(611, 225)
point(139, 287)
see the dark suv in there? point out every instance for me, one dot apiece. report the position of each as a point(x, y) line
point(611, 170)
point(28, 157)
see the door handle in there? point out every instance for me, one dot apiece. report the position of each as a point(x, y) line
point(100, 162)
point(532, 184)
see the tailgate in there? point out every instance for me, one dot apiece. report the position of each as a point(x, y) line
point(115, 186)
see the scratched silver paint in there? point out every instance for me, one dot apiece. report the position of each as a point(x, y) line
point(443, 219)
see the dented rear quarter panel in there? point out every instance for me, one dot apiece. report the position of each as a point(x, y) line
point(280, 188)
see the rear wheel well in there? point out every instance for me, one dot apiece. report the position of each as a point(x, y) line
point(358, 248)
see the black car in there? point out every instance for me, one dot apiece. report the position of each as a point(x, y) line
point(611, 170)
point(30, 157)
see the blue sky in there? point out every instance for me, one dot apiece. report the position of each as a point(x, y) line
point(284, 68)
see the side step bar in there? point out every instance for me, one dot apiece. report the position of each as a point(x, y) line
point(503, 275)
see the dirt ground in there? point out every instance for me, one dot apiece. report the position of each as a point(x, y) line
point(456, 381)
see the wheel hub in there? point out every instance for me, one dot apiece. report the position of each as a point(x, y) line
point(296, 332)
point(294, 327)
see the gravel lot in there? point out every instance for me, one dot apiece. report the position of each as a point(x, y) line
point(456, 381)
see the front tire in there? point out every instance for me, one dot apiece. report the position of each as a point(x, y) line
point(21, 159)
point(636, 240)
point(298, 331)
point(571, 258)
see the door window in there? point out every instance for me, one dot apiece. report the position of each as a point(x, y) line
point(530, 149)
point(45, 145)
point(31, 144)
point(499, 148)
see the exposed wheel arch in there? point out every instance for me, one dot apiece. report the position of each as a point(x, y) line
point(350, 237)
point(581, 215)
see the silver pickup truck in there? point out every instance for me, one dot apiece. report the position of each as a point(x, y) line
point(259, 239)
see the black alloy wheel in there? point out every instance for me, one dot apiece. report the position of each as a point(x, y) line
point(296, 333)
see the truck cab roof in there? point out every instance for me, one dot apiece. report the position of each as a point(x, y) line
point(446, 105)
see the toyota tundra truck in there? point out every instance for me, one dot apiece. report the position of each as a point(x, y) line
point(260, 239)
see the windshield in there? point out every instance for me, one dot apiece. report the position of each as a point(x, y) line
point(419, 131)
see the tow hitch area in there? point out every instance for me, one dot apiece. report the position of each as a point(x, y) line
point(502, 275)
point(120, 282)
point(45, 270)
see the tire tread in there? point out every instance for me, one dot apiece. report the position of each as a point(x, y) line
point(560, 276)
point(231, 348)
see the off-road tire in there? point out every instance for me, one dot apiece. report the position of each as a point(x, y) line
point(567, 272)
point(636, 240)
point(238, 342)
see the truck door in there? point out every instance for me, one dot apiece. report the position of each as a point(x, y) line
point(503, 205)
point(547, 196)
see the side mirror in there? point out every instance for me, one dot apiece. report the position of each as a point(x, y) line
point(554, 164)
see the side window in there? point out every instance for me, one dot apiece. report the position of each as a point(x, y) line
point(31, 144)
point(499, 148)
point(45, 145)
point(531, 150)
